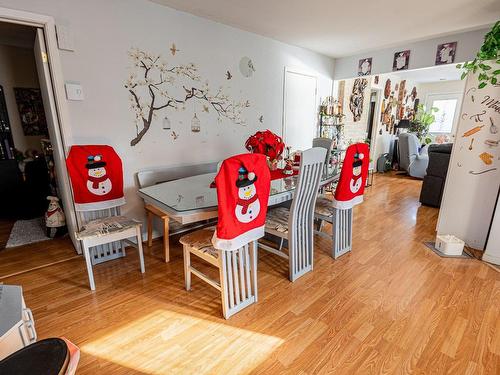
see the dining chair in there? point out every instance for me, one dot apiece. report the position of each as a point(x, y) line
point(327, 144)
point(104, 234)
point(295, 224)
point(338, 209)
point(232, 247)
point(96, 175)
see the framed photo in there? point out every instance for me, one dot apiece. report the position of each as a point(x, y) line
point(30, 107)
point(445, 53)
point(365, 67)
point(401, 60)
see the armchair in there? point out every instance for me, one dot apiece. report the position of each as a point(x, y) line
point(411, 159)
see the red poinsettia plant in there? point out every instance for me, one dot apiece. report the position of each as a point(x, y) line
point(267, 143)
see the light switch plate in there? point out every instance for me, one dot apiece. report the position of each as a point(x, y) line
point(74, 91)
point(65, 38)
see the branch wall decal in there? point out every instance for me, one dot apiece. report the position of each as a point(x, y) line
point(151, 88)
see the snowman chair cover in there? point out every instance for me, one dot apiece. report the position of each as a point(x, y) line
point(351, 185)
point(243, 185)
point(96, 175)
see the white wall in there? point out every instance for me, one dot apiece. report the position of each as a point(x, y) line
point(17, 69)
point(469, 199)
point(104, 31)
point(441, 87)
point(423, 54)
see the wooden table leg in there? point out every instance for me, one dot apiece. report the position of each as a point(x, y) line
point(166, 245)
point(150, 228)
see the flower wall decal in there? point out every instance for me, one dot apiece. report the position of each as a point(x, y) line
point(153, 86)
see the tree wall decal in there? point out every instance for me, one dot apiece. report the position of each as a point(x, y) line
point(152, 86)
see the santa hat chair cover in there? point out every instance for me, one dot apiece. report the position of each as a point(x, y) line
point(243, 185)
point(96, 175)
point(351, 185)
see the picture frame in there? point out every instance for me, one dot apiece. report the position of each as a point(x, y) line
point(401, 60)
point(31, 112)
point(445, 53)
point(365, 67)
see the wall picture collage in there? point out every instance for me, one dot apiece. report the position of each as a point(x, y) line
point(445, 54)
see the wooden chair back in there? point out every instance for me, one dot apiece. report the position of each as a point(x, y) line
point(301, 219)
point(155, 176)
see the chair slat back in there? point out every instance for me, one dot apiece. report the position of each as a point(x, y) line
point(301, 220)
point(327, 144)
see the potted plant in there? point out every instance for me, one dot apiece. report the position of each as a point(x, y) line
point(423, 120)
point(489, 51)
point(267, 143)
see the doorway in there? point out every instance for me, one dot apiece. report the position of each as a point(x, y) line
point(31, 161)
point(300, 112)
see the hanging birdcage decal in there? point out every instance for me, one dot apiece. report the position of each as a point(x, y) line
point(166, 123)
point(195, 124)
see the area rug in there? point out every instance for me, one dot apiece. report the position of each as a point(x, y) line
point(25, 232)
point(430, 245)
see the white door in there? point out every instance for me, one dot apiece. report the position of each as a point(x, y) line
point(43, 70)
point(300, 112)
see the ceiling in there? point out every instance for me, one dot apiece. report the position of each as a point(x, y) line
point(447, 72)
point(341, 28)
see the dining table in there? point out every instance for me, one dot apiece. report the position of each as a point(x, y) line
point(194, 199)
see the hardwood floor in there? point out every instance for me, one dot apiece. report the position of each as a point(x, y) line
point(390, 306)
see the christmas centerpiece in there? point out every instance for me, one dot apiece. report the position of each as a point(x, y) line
point(266, 143)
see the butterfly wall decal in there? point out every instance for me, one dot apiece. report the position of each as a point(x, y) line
point(205, 108)
point(261, 119)
point(174, 135)
point(174, 49)
point(228, 75)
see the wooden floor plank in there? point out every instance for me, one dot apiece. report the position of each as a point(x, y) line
point(391, 306)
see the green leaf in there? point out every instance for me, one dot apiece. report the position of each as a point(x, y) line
point(464, 74)
point(482, 85)
point(482, 77)
point(493, 80)
point(484, 66)
point(459, 66)
point(496, 72)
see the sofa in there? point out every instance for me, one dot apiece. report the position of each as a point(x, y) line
point(412, 158)
point(433, 185)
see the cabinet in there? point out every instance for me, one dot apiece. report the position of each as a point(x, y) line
point(17, 325)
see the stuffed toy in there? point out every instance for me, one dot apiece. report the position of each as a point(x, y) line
point(96, 175)
point(243, 185)
point(351, 186)
point(55, 221)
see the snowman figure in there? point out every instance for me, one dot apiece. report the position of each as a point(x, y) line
point(55, 221)
point(247, 205)
point(356, 180)
point(98, 182)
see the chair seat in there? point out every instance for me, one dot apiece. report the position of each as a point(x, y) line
point(277, 220)
point(105, 226)
point(323, 206)
point(201, 241)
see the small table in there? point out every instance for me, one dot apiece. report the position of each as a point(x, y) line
point(189, 200)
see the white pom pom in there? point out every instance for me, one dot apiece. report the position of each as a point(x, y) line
point(361, 156)
point(251, 176)
point(97, 158)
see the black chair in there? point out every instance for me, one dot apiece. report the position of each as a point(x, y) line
point(433, 185)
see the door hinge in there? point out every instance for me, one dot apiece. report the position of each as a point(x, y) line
point(45, 58)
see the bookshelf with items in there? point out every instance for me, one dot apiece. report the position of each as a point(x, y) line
point(6, 141)
point(331, 125)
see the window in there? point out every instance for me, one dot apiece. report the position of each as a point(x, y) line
point(446, 116)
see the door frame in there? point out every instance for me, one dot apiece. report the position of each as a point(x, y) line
point(302, 72)
point(62, 128)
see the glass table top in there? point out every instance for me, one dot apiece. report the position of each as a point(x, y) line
point(195, 193)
